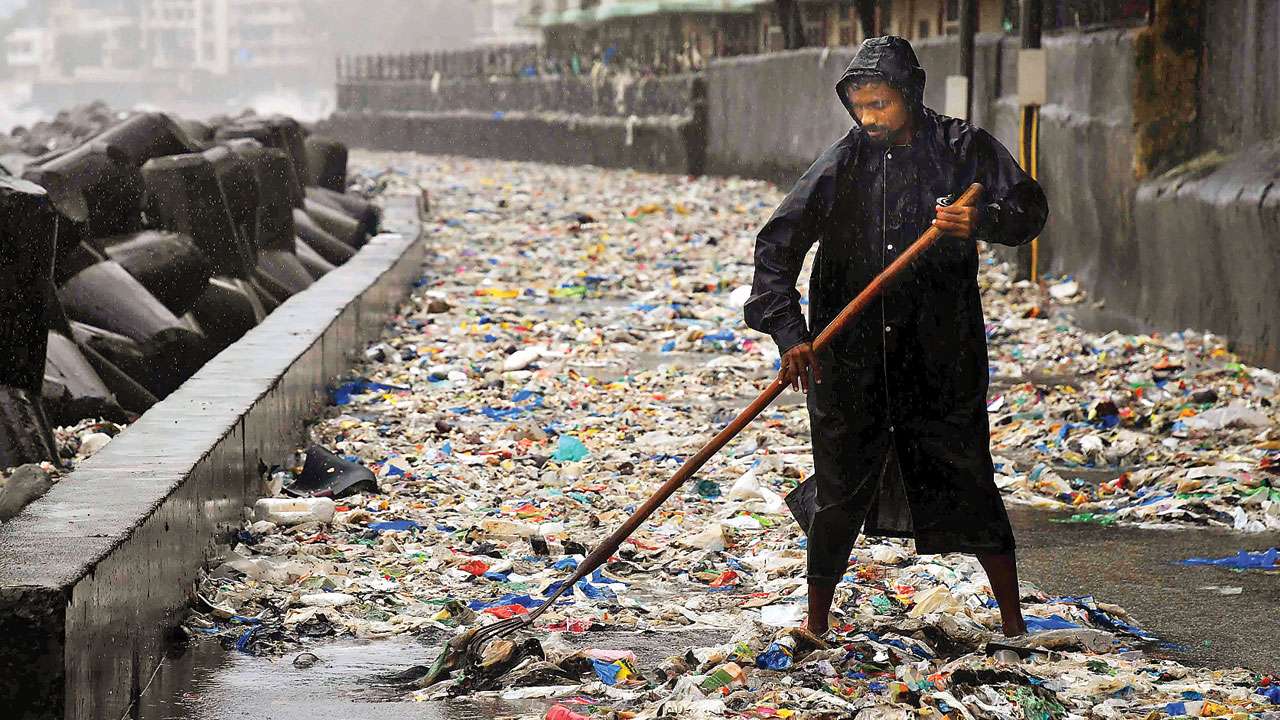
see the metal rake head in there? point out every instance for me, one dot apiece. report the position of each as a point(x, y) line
point(502, 628)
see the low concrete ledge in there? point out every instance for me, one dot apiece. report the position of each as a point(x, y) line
point(668, 144)
point(95, 575)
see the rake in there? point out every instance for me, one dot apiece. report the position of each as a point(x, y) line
point(605, 550)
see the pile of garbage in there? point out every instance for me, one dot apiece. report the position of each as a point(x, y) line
point(1154, 430)
point(576, 335)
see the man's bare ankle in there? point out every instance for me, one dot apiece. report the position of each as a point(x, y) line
point(818, 631)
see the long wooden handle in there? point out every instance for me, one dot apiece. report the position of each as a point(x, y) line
point(604, 550)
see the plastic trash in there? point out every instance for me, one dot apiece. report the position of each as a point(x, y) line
point(779, 654)
point(325, 474)
point(293, 511)
point(476, 521)
point(570, 449)
point(725, 676)
point(560, 712)
point(1243, 560)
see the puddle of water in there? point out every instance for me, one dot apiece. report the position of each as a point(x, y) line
point(205, 682)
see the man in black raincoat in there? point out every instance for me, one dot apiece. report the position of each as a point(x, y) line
point(897, 404)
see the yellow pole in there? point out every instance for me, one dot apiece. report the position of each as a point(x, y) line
point(1035, 171)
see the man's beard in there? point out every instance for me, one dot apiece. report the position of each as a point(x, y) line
point(882, 140)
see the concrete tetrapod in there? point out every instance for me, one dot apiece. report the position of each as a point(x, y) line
point(168, 264)
point(144, 136)
point(186, 196)
point(280, 133)
point(106, 296)
point(129, 393)
point(279, 271)
point(28, 228)
point(73, 388)
point(227, 309)
point(275, 212)
point(280, 276)
point(95, 190)
point(337, 223)
point(315, 263)
point(369, 215)
point(24, 431)
point(329, 247)
point(239, 186)
point(326, 163)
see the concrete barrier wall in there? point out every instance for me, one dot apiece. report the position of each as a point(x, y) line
point(1239, 86)
point(570, 94)
point(95, 574)
point(1207, 251)
point(670, 144)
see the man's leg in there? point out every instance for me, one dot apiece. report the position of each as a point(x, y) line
point(821, 593)
point(849, 438)
point(1002, 573)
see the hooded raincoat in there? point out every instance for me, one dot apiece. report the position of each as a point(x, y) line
point(899, 423)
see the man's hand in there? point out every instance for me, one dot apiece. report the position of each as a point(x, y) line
point(796, 364)
point(957, 221)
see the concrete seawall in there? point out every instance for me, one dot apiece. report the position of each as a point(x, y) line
point(669, 144)
point(94, 575)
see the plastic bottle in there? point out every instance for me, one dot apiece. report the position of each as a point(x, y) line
point(294, 511)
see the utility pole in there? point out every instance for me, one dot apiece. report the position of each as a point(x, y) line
point(1032, 93)
point(1029, 17)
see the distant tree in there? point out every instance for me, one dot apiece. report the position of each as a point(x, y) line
point(792, 23)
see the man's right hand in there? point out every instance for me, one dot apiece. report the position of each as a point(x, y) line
point(796, 364)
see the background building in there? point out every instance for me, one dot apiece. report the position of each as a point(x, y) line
point(505, 22)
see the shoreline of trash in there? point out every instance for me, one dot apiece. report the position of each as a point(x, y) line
point(500, 458)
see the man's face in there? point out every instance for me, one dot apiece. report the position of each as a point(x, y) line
point(881, 111)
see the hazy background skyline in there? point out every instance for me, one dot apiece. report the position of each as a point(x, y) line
point(203, 57)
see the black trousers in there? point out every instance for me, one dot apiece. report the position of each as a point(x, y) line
point(892, 472)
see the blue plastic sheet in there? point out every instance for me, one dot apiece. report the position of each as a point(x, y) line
point(1243, 560)
point(341, 395)
point(382, 526)
point(1053, 622)
point(1098, 617)
point(593, 592)
point(242, 642)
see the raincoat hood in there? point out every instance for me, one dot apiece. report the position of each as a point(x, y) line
point(889, 57)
